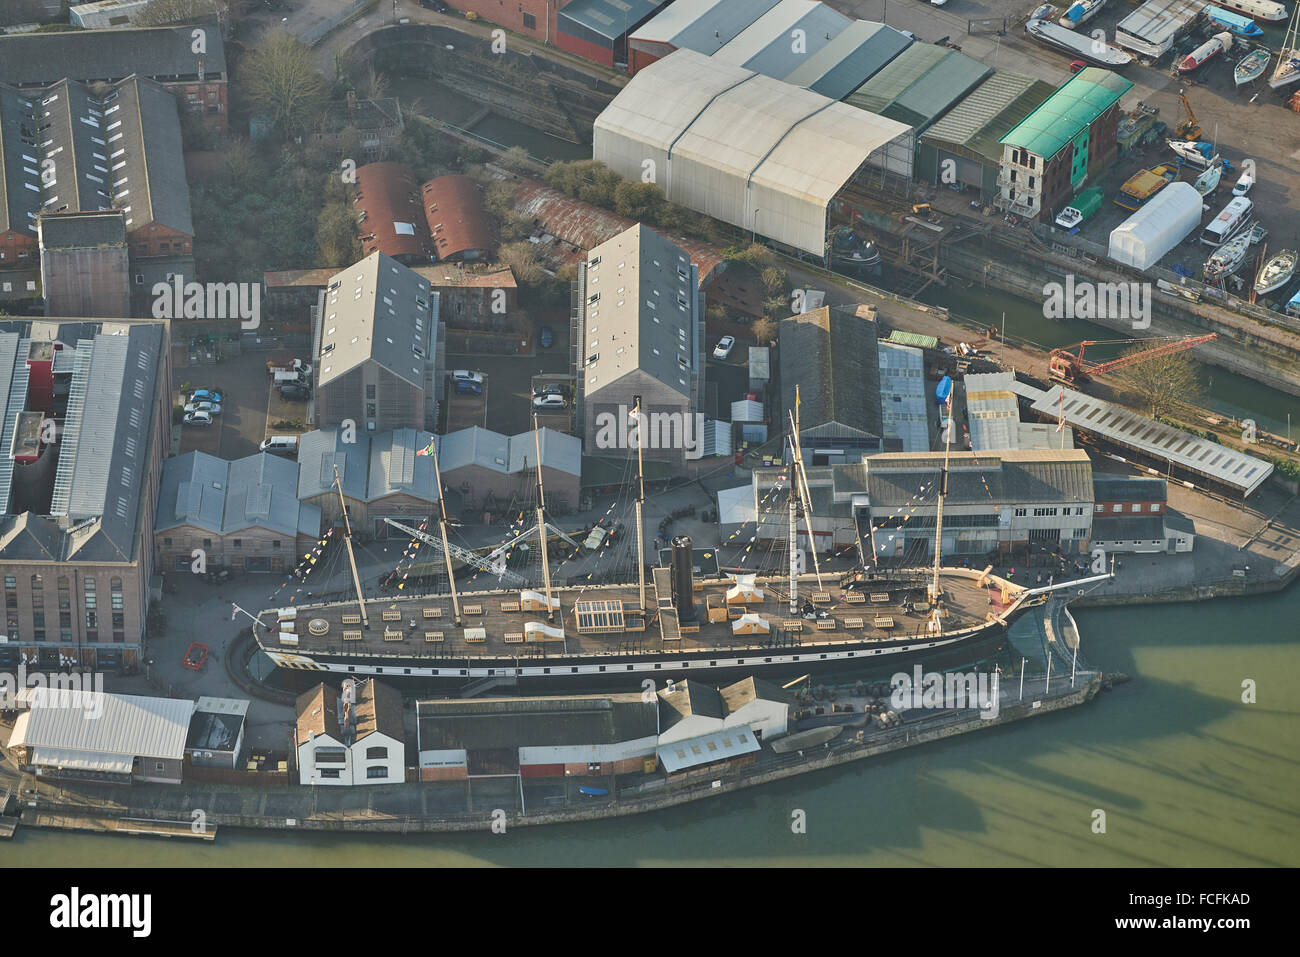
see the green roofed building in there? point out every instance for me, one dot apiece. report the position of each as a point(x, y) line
point(1050, 154)
point(965, 145)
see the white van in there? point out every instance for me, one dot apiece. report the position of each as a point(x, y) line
point(281, 443)
point(289, 378)
point(1222, 227)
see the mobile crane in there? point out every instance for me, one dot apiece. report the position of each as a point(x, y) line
point(1067, 365)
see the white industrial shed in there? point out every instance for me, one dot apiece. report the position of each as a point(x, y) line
point(1146, 236)
point(744, 148)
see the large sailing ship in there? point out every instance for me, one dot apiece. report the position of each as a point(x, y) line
point(676, 625)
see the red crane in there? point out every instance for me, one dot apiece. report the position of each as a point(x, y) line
point(1066, 365)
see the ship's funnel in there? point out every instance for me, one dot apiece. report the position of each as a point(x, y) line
point(683, 582)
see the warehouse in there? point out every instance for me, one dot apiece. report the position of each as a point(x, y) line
point(964, 147)
point(704, 26)
point(784, 37)
point(597, 30)
point(751, 151)
point(855, 55)
point(919, 85)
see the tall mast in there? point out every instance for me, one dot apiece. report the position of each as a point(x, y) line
point(936, 623)
point(541, 521)
point(442, 527)
point(805, 500)
point(640, 500)
point(794, 536)
point(352, 559)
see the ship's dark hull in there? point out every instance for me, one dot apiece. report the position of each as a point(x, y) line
point(628, 671)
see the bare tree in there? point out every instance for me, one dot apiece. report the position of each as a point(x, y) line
point(522, 260)
point(162, 12)
point(1162, 383)
point(765, 330)
point(280, 78)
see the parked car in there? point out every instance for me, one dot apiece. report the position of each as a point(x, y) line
point(298, 391)
point(198, 418)
point(553, 388)
point(205, 395)
point(1244, 183)
point(434, 5)
point(212, 408)
point(468, 387)
point(724, 347)
point(548, 402)
point(545, 337)
point(280, 443)
point(465, 375)
point(1077, 65)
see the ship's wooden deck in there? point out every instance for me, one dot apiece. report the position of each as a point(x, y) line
point(423, 626)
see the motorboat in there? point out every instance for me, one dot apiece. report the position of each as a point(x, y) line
point(1251, 66)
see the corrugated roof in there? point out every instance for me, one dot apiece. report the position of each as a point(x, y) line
point(391, 212)
point(830, 354)
point(919, 85)
point(745, 148)
point(992, 411)
point(457, 223)
point(904, 412)
point(1068, 111)
point(258, 491)
point(320, 451)
point(1001, 480)
point(770, 44)
point(849, 59)
point(107, 724)
point(980, 120)
point(396, 468)
point(701, 25)
point(719, 745)
point(377, 309)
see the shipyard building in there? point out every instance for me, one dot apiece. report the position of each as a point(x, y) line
point(85, 419)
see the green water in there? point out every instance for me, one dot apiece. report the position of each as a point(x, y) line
point(1225, 392)
point(1186, 773)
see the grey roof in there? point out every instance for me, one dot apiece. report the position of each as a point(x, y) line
point(82, 229)
point(1178, 522)
point(979, 121)
point(259, 491)
point(919, 85)
point(1004, 480)
point(688, 698)
point(534, 722)
point(39, 59)
point(831, 355)
point(736, 696)
point(1128, 488)
point(904, 408)
point(508, 454)
point(131, 725)
point(609, 18)
point(993, 411)
point(851, 58)
point(320, 451)
point(766, 46)
point(1139, 528)
point(377, 309)
point(702, 25)
point(103, 461)
point(20, 181)
point(395, 467)
point(120, 151)
point(639, 327)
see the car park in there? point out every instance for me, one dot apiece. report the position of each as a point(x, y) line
point(724, 347)
point(548, 402)
point(212, 408)
point(198, 418)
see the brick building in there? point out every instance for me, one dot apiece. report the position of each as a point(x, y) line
point(76, 519)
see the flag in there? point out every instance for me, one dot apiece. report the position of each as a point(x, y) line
point(428, 449)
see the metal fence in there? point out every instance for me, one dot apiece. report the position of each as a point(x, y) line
point(320, 31)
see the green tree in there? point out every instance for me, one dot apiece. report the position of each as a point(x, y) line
point(643, 202)
point(280, 79)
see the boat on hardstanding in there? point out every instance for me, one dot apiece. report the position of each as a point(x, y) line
point(1269, 11)
point(1077, 44)
point(1198, 154)
point(1208, 181)
point(1251, 67)
point(1287, 70)
point(1228, 258)
point(1276, 273)
point(1081, 11)
point(1206, 52)
point(1234, 23)
point(677, 625)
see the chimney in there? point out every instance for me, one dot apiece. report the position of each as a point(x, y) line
point(683, 581)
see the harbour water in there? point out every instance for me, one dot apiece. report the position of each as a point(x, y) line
point(1186, 773)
